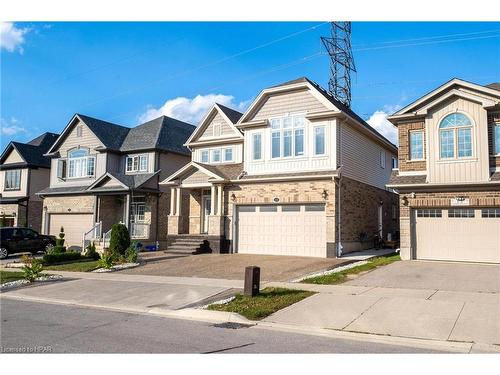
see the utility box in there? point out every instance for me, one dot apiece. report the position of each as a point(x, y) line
point(252, 281)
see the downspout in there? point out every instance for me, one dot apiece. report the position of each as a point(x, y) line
point(339, 185)
point(26, 211)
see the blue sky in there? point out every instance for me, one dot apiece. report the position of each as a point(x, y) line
point(128, 72)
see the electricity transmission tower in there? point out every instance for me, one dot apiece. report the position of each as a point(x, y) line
point(338, 46)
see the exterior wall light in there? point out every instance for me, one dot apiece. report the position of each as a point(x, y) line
point(404, 200)
point(324, 194)
point(233, 197)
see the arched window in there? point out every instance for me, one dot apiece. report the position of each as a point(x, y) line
point(455, 136)
point(80, 164)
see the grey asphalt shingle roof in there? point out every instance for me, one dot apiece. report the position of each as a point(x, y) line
point(226, 171)
point(233, 115)
point(396, 179)
point(163, 133)
point(133, 181)
point(32, 152)
point(111, 135)
point(494, 86)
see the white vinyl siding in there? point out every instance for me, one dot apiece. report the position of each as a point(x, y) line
point(217, 127)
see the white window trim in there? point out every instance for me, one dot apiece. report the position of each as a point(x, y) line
point(324, 141)
point(138, 157)
point(5, 180)
point(212, 151)
point(495, 146)
point(86, 158)
point(224, 154)
point(383, 159)
point(423, 145)
point(253, 146)
point(208, 156)
point(282, 138)
point(455, 139)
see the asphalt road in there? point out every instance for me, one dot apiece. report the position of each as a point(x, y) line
point(68, 329)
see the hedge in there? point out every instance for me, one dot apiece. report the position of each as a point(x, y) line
point(61, 257)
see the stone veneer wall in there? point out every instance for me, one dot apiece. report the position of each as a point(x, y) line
point(405, 164)
point(488, 198)
point(359, 205)
point(493, 119)
point(287, 192)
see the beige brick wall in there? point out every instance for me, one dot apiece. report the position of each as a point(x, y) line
point(359, 206)
point(405, 164)
point(490, 198)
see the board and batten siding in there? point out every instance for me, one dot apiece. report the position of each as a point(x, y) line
point(360, 157)
point(290, 102)
point(306, 163)
point(237, 153)
point(474, 169)
point(217, 119)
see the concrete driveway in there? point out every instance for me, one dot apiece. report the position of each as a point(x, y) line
point(426, 300)
point(231, 266)
point(443, 276)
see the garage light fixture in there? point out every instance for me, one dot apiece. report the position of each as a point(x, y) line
point(404, 200)
point(324, 194)
point(233, 197)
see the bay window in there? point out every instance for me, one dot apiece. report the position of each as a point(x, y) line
point(228, 154)
point(257, 146)
point(455, 136)
point(80, 164)
point(204, 156)
point(215, 156)
point(137, 163)
point(13, 179)
point(287, 136)
point(319, 140)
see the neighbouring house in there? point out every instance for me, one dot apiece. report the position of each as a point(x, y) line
point(103, 173)
point(449, 174)
point(297, 174)
point(24, 170)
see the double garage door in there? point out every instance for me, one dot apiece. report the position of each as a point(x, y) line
point(75, 225)
point(298, 230)
point(458, 234)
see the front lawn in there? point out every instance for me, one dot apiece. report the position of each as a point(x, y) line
point(7, 276)
point(266, 303)
point(82, 266)
point(342, 276)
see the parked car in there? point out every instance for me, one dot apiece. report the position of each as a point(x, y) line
point(20, 240)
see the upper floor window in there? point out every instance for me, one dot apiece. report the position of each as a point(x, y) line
point(80, 163)
point(287, 136)
point(455, 136)
point(228, 154)
point(137, 163)
point(394, 163)
point(496, 136)
point(215, 156)
point(13, 179)
point(257, 146)
point(382, 158)
point(416, 145)
point(319, 140)
point(204, 156)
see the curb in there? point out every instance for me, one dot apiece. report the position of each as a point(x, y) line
point(225, 317)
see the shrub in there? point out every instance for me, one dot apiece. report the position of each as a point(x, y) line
point(90, 251)
point(120, 240)
point(60, 248)
point(61, 257)
point(32, 268)
point(131, 255)
point(106, 260)
point(3, 221)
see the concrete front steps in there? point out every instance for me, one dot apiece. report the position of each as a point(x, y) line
point(186, 244)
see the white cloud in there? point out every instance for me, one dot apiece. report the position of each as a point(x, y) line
point(12, 37)
point(11, 127)
point(191, 110)
point(379, 121)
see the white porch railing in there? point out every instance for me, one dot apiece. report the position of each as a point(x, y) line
point(105, 239)
point(93, 234)
point(139, 230)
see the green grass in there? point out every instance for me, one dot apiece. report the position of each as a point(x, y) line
point(342, 276)
point(85, 266)
point(6, 276)
point(267, 302)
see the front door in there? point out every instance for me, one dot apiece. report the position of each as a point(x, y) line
point(206, 203)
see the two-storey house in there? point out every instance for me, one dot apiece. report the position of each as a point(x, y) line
point(103, 173)
point(298, 174)
point(24, 170)
point(449, 174)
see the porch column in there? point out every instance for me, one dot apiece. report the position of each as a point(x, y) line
point(172, 201)
point(178, 208)
point(212, 200)
point(127, 211)
point(219, 200)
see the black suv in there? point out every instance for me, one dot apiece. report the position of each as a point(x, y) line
point(20, 240)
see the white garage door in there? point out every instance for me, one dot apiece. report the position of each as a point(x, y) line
point(298, 230)
point(458, 234)
point(74, 226)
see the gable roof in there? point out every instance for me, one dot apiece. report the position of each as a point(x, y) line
point(127, 181)
point(33, 151)
point(324, 97)
point(494, 86)
point(491, 90)
point(231, 117)
point(163, 133)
